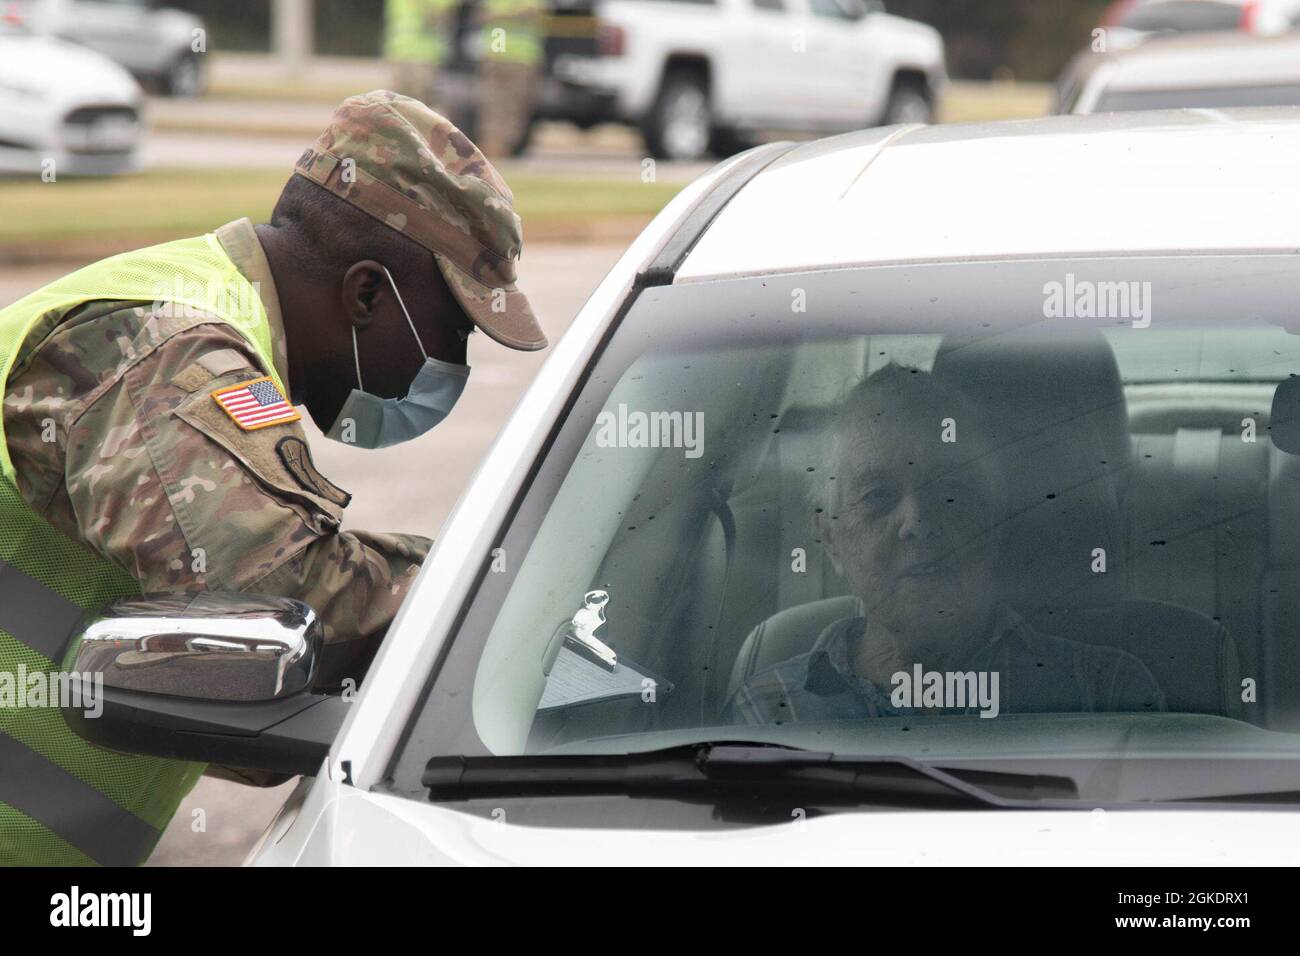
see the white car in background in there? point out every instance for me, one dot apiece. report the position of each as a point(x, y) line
point(1200, 71)
point(1114, 300)
point(702, 75)
point(1130, 22)
point(161, 46)
point(63, 104)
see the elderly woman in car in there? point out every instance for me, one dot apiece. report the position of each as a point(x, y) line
point(912, 510)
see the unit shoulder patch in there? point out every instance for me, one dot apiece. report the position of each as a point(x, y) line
point(297, 459)
point(257, 403)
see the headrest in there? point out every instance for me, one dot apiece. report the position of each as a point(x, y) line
point(1039, 382)
point(1054, 401)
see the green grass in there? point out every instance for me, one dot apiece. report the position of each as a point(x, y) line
point(302, 91)
point(970, 102)
point(560, 198)
point(185, 202)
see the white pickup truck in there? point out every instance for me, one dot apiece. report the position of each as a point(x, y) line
point(699, 75)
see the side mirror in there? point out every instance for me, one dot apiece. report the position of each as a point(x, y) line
point(1284, 418)
point(213, 678)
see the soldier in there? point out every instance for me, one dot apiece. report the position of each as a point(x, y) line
point(416, 38)
point(512, 56)
point(151, 441)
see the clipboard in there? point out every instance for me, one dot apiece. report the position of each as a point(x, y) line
point(574, 680)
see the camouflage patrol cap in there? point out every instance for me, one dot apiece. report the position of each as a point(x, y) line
point(413, 170)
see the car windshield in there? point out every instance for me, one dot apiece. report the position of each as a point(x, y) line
point(1188, 15)
point(1122, 101)
point(969, 514)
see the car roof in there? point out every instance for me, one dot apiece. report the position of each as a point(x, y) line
point(1156, 3)
point(1197, 61)
point(1177, 181)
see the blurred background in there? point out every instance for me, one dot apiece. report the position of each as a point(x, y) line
point(129, 122)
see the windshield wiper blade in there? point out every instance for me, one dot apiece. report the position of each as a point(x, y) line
point(727, 771)
point(1280, 798)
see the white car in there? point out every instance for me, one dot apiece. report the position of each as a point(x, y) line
point(64, 109)
point(1186, 72)
point(1128, 23)
point(648, 631)
point(701, 75)
point(161, 46)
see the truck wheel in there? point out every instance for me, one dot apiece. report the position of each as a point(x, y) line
point(908, 103)
point(679, 126)
point(184, 79)
point(726, 142)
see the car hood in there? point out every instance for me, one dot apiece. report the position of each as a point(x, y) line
point(59, 71)
point(342, 826)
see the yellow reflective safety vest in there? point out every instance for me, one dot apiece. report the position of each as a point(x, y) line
point(512, 31)
point(418, 31)
point(64, 801)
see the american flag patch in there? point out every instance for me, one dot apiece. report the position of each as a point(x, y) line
point(256, 404)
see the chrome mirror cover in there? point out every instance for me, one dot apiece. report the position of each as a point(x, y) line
point(214, 646)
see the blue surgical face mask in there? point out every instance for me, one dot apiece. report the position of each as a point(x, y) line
point(368, 421)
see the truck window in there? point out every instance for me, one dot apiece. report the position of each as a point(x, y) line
point(834, 10)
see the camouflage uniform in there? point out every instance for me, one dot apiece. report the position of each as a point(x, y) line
point(508, 72)
point(416, 35)
point(148, 471)
point(117, 442)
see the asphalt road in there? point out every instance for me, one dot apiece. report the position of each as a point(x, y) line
point(247, 133)
point(408, 488)
point(560, 150)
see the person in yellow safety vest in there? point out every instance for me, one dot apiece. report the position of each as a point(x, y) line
point(417, 38)
point(126, 467)
point(512, 52)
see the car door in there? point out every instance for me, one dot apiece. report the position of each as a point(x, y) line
point(771, 64)
point(834, 73)
point(117, 28)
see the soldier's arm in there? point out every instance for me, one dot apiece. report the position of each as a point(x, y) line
point(162, 481)
point(355, 581)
